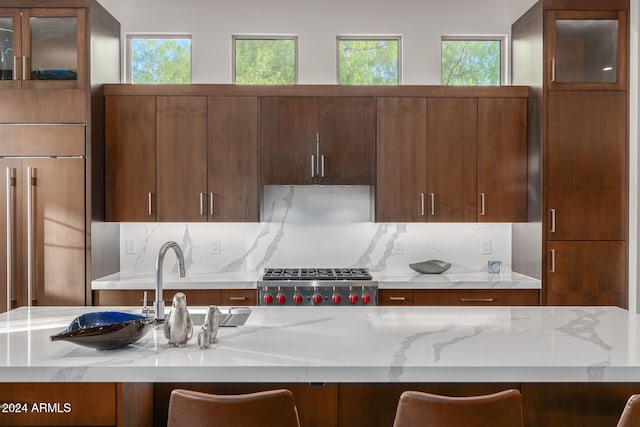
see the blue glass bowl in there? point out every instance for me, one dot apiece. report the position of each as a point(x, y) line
point(106, 330)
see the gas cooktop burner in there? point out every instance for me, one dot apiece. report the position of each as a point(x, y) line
point(303, 274)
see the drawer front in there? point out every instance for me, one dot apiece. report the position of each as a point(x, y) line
point(134, 297)
point(477, 297)
point(395, 297)
point(238, 297)
point(58, 404)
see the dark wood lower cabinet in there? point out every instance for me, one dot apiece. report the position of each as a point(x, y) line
point(459, 297)
point(132, 297)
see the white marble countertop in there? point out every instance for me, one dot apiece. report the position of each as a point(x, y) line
point(333, 344)
point(412, 280)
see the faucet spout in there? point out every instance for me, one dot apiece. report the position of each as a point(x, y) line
point(158, 305)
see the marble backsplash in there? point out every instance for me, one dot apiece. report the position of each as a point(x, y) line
point(315, 226)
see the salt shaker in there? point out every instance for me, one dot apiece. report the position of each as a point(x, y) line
point(178, 327)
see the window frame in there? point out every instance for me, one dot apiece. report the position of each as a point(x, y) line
point(505, 72)
point(396, 37)
point(129, 37)
point(293, 37)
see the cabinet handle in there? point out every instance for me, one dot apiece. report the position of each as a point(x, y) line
point(150, 204)
point(477, 300)
point(211, 203)
point(553, 260)
point(24, 68)
point(31, 181)
point(433, 204)
point(313, 163)
point(11, 183)
point(15, 67)
point(201, 204)
point(237, 298)
point(482, 204)
point(553, 221)
point(322, 166)
point(397, 298)
point(421, 204)
point(553, 69)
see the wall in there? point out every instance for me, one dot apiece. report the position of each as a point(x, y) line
point(316, 23)
point(316, 226)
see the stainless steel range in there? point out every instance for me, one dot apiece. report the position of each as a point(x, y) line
point(317, 286)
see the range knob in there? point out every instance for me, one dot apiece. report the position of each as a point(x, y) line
point(366, 298)
point(353, 298)
point(281, 298)
point(297, 298)
point(337, 298)
point(267, 298)
point(317, 298)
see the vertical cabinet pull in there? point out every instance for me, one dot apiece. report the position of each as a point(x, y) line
point(150, 204)
point(15, 67)
point(322, 166)
point(553, 260)
point(482, 204)
point(433, 203)
point(421, 204)
point(552, 229)
point(11, 183)
point(24, 68)
point(211, 203)
point(553, 69)
point(313, 164)
point(202, 204)
point(31, 182)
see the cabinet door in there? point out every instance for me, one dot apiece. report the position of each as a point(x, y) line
point(288, 140)
point(586, 273)
point(586, 177)
point(130, 158)
point(396, 297)
point(56, 248)
point(401, 158)
point(587, 49)
point(10, 48)
point(53, 48)
point(347, 140)
point(473, 297)
point(232, 151)
point(451, 159)
point(181, 150)
point(11, 241)
point(502, 159)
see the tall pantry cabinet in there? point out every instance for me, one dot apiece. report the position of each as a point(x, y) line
point(574, 56)
point(51, 139)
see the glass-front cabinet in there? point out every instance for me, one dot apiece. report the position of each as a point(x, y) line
point(587, 50)
point(42, 48)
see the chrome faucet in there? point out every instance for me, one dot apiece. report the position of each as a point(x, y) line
point(158, 304)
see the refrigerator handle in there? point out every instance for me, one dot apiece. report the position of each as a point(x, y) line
point(11, 183)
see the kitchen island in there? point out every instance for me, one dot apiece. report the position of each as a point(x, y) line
point(353, 356)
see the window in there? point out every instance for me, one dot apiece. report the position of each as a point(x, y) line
point(159, 59)
point(265, 60)
point(473, 61)
point(369, 60)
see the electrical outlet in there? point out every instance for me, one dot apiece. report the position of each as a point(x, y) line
point(130, 247)
point(398, 248)
point(215, 247)
point(486, 247)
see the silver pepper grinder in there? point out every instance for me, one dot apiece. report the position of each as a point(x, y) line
point(209, 330)
point(178, 327)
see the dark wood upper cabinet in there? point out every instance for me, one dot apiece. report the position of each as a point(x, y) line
point(181, 150)
point(401, 176)
point(587, 49)
point(309, 140)
point(232, 153)
point(502, 159)
point(586, 165)
point(451, 159)
point(130, 158)
point(288, 138)
point(346, 127)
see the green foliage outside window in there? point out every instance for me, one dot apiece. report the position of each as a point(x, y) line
point(160, 60)
point(471, 62)
point(368, 62)
point(265, 62)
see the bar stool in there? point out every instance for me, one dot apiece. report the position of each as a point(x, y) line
point(273, 408)
point(417, 409)
point(631, 414)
